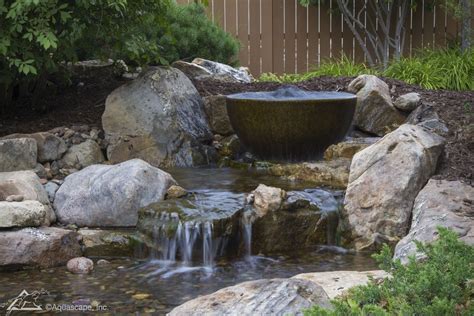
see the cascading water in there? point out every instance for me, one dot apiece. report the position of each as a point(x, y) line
point(247, 220)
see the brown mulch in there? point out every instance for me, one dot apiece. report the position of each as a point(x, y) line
point(83, 103)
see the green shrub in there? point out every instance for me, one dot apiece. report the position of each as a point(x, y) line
point(340, 67)
point(436, 69)
point(441, 284)
point(195, 35)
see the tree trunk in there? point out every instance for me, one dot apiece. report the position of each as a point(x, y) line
point(466, 31)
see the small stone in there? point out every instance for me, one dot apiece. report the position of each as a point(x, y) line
point(103, 262)
point(40, 171)
point(141, 296)
point(43, 181)
point(68, 133)
point(407, 102)
point(175, 192)
point(15, 198)
point(80, 265)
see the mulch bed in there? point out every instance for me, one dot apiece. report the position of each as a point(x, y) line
point(83, 103)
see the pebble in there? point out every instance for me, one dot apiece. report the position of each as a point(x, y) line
point(102, 262)
point(15, 198)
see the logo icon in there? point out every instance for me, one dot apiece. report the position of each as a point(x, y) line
point(25, 302)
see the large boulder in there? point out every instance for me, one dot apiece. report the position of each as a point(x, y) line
point(375, 112)
point(50, 147)
point(18, 154)
point(44, 247)
point(23, 200)
point(82, 155)
point(261, 297)
point(102, 195)
point(440, 203)
point(336, 283)
point(383, 183)
point(159, 118)
point(216, 111)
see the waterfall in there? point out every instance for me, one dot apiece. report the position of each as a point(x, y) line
point(247, 220)
point(175, 240)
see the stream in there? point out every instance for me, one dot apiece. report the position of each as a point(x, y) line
point(166, 280)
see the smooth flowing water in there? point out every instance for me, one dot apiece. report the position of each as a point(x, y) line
point(189, 262)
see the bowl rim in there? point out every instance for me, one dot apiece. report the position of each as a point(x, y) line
point(346, 96)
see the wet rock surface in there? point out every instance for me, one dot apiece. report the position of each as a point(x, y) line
point(109, 243)
point(441, 203)
point(44, 247)
point(262, 297)
point(384, 180)
point(334, 173)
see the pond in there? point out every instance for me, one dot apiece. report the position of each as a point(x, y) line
point(156, 286)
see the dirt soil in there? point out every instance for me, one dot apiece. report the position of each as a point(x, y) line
point(83, 103)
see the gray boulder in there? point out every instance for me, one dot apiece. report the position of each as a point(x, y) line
point(82, 155)
point(18, 154)
point(44, 247)
point(191, 70)
point(216, 111)
point(375, 112)
point(440, 203)
point(159, 118)
point(102, 195)
point(407, 102)
point(384, 180)
point(261, 297)
point(50, 147)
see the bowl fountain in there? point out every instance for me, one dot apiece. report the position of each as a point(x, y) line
point(290, 124)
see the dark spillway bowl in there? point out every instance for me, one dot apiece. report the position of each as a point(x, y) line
point(290, 124)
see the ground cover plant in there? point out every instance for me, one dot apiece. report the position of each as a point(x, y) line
point(439, 284)
point(449, 69)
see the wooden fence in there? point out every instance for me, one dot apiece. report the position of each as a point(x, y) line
point(281, 36)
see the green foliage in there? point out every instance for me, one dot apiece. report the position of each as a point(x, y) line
point(441, 284)
point(36, 36)
point(195, 35)
point(448, 69)
point(436, 69)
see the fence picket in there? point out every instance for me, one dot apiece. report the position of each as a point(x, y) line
point(281, 36)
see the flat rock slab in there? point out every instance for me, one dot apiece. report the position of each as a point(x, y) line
point(44, 247)
point(334, 173)
point(261, 297)
point(108, 243)
point(24, 214)
point(441, 203)
point(336, 283)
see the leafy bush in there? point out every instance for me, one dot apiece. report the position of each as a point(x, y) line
point(194, 35)
point(441, 284)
